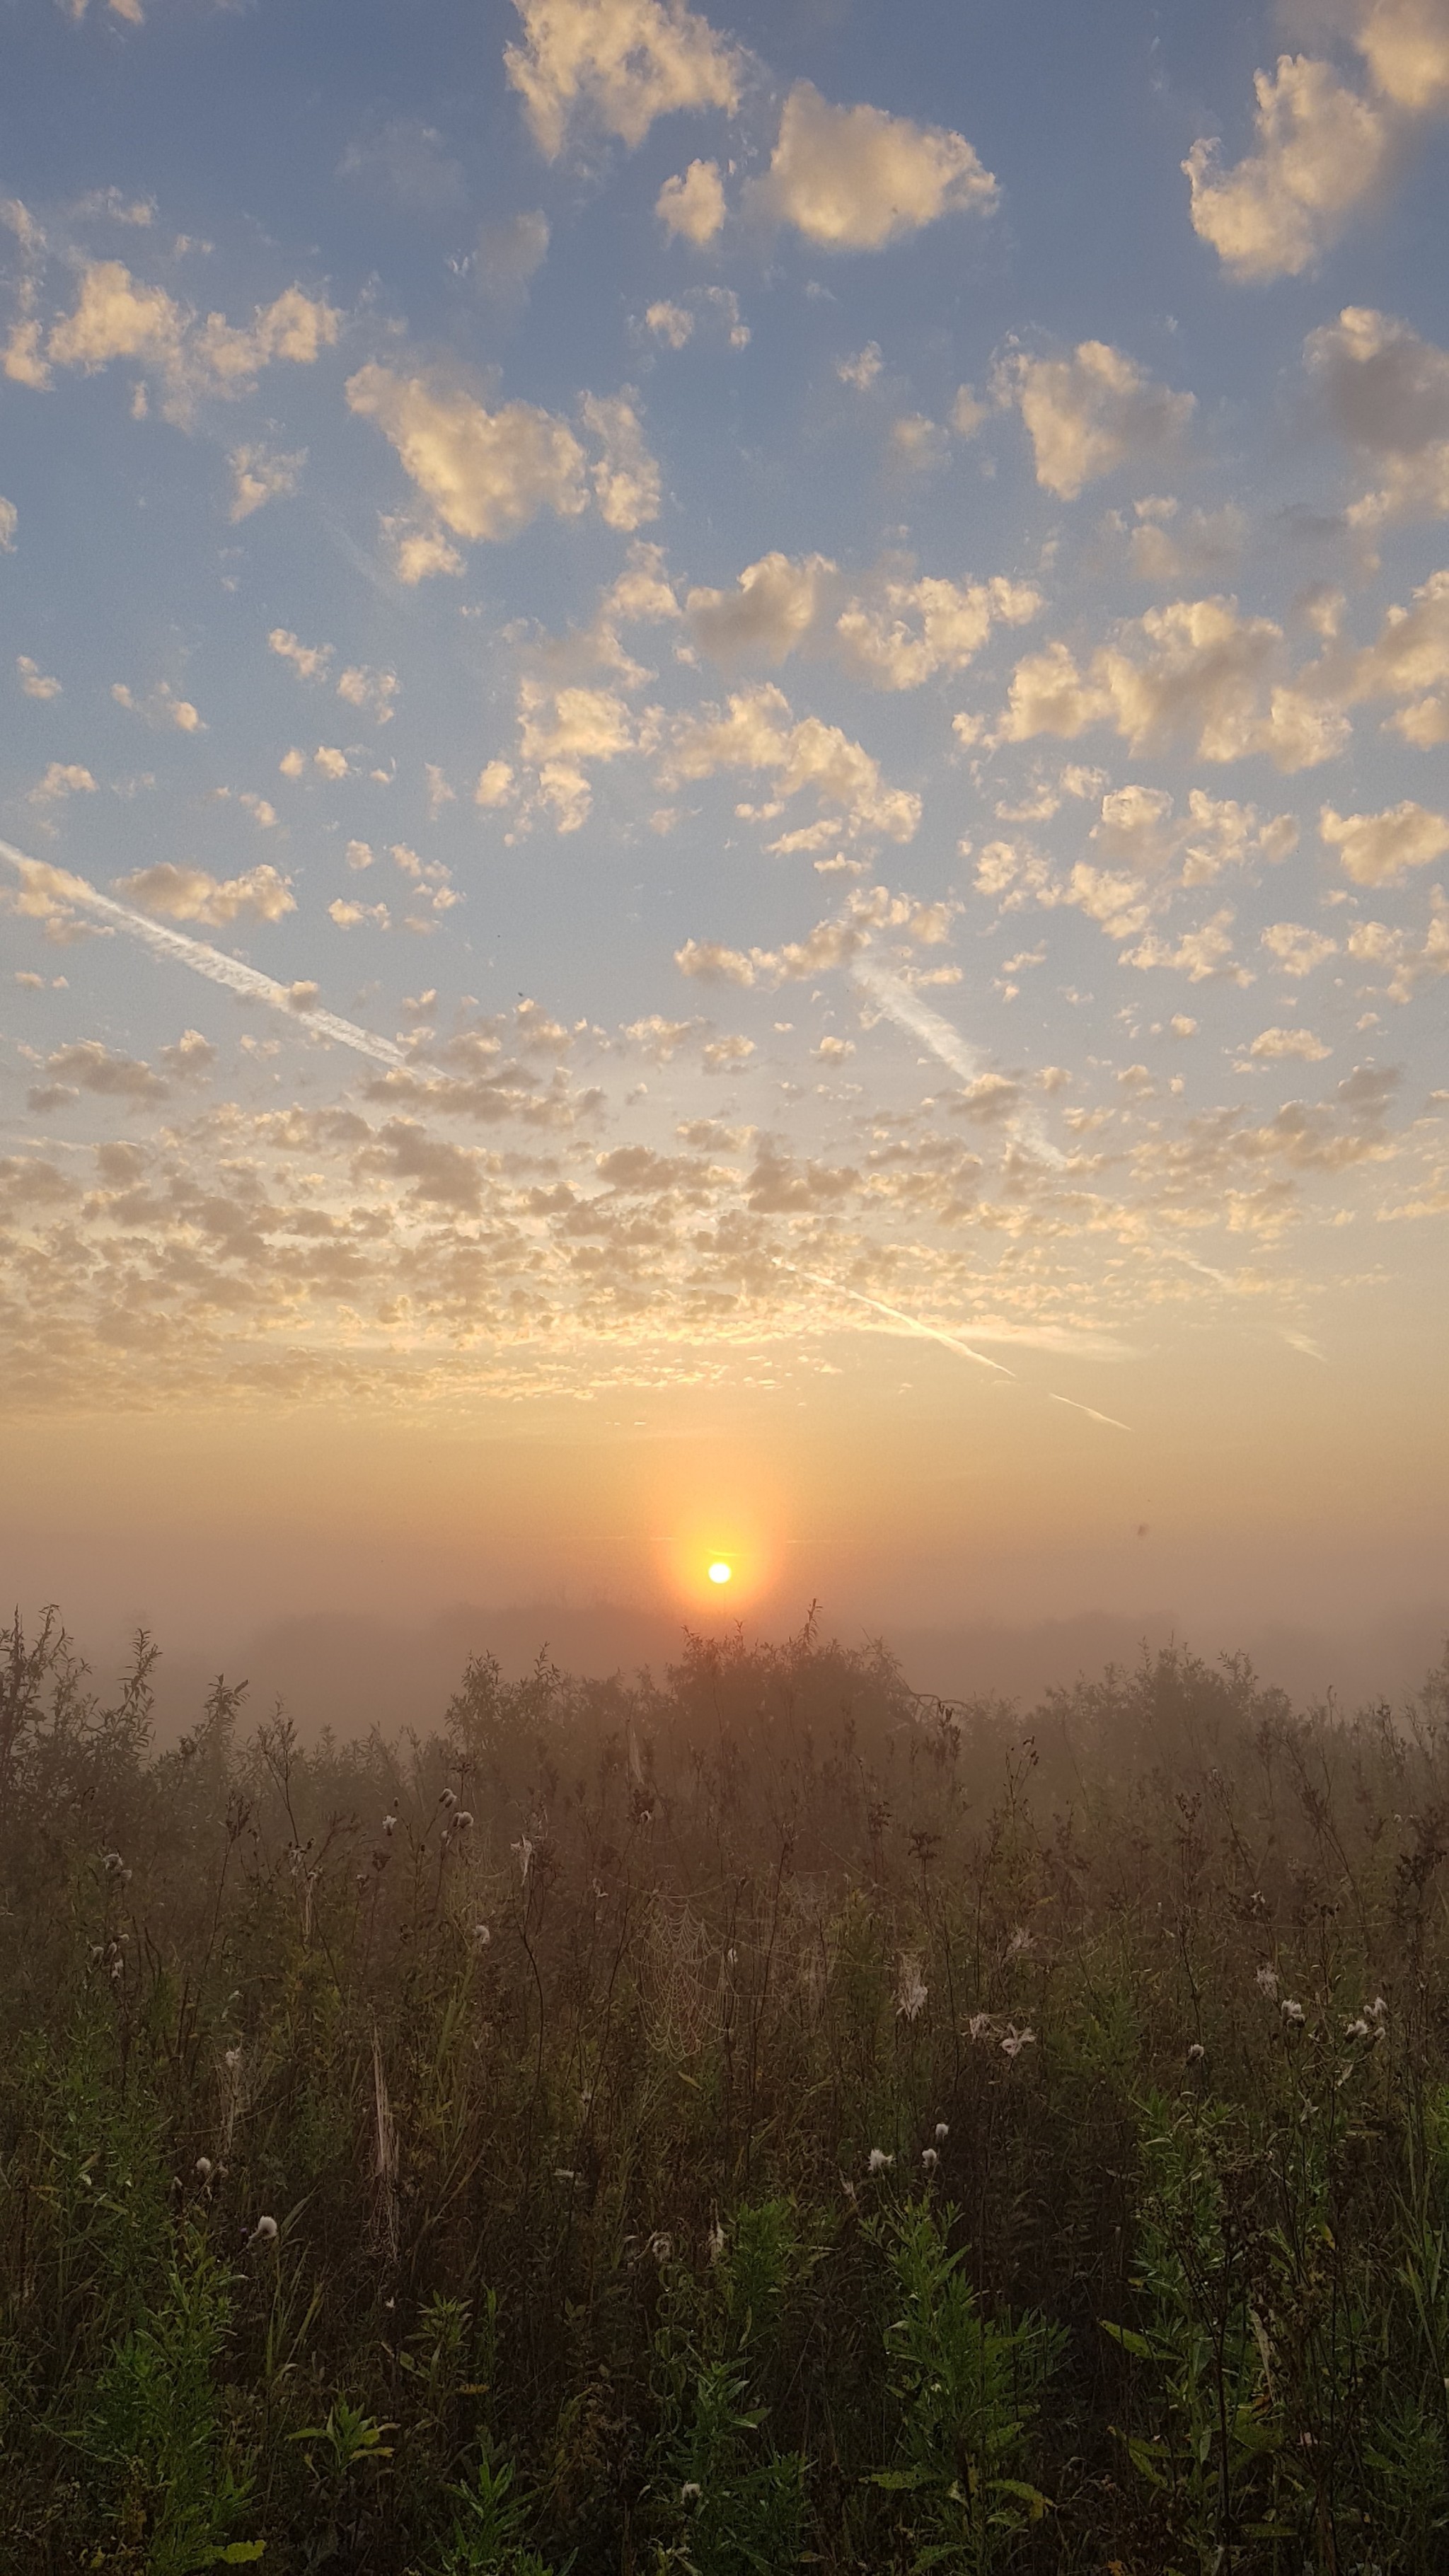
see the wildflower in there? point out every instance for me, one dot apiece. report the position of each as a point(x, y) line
point(112, 1862)
point(661, 2246)
point(929, 2159)
point(462, 1820)
point(691, 2491)
point(481, 1936)
point(204, 2168)
point(1377, 2009)
point(449, 1798)
point(1268, 1983)
point(1021, 1944)
point(910, 1986)
point(1016, 2040)
point(231, 2059)
point(1292, 2014)
point(264, 2232)
point(943, 2131)
point(1196, 2053)
point(878, 2160)
point(389, 1824)
point(1357, 2029)
point(980, 2026)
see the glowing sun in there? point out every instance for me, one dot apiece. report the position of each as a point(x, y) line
point(719, 1572)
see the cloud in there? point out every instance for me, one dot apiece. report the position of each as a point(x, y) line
point(855, 178)
point(1138, 824)
point(838, 941)
point(1295, 950)
point(1410, 659)
point(1377, 849)
point(1204, 955)
point(189, 894)
point(758, 732)
point(616, 65)
point(1405, 44)
point(626, 477)
point(90, 1066)
point(309, 661)
point(34, 682)
point(62, 778)
point(675, 324)
point(487, 474)
point(371, 690)
point(669, 322)
point(1273, 1045)
point(9, 522)
point(1090, 413)
point(897, 634)
point(1387, 391)
point(117, 317)
point(418, 549)
point(1194, 671)
point(161, 706)
point(510, 254)
point(861, 370)
point(1165, 545)
point(692, 206)
point(1322, 149)
point(407, 161)
point(261, 474)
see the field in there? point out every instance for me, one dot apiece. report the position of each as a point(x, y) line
point(749, 2120)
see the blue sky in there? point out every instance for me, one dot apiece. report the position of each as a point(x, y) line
point(805, 656)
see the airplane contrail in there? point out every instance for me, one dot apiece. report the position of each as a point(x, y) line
point(948, 1341)
point(40, 879)
point(905, 1007)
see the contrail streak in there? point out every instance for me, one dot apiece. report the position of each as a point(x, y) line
point(39, 878)
point(909, 1012)
point(948, 1341)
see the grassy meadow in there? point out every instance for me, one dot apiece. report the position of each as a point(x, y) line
point(754, 2120)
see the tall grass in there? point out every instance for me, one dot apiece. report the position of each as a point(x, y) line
point(755, 2120)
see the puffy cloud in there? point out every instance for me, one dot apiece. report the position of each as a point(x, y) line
point(717, 306)
point(1405, 44)
point(261, 474)
point(896, 635)
point(1138, 824)
point(1194, 671)
point(487, 474)
point(1090, 413)
point(34, 682)
point(1295, 950)
point(1274, 1045)
point(830, 944)
point(495, 784)
point(93, 1067)
point(62, 778)
point(862, 370)
point(190, 894)
point(1322, 149)
point(626, 477)
point(510, 254)
point(1377, 849)
point(692, 206)
point(669, 322)
point(615, 64)
point(560, 729)
point(855, 178)
point(160, 707)
point(1373, 943)
point(1204, 955)
point(1388, 391)
point(351, 916)
point(117, 317)
point(1169, 545)
point(418, 549)
point(1409, 659)
point(757, 732)
point(309, 661)
point(9, 522)
point(371, 690)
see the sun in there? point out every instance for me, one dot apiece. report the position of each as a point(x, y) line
point(719, 1572)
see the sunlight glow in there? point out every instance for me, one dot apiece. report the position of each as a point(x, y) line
point(719, 1572)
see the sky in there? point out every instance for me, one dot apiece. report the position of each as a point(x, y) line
point(724, 819)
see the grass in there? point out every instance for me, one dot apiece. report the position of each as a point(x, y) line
point(752, 2121)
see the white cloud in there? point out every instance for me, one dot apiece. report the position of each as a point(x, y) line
point(832, 943)
point(351, 916)
point(1405, 44)
point(261, 474)
point(190, 894)
point(309, 661)
point(615, 64)
point(1377, 849)
point(1138, 824)
point(115, 316)
point(160, 707)
point(669, 322)
point(510, 254)
point(34, 682)
point(757, 732)
point(495, 784)
point(1296, 950)
point(1274, 1045)
point(895, 634)
point(626, 477)
point(9, 522)
point(1410, 659)
point(487, 474)
point(692, 206)
point(1195, 671)
point(862, 370)
point(1388, 392)
point(855, 178)
point(374, 691)
point(1203, 955)
point(418, 549)
point(407, 161)
point(331, 760)
point(1167, 544)
point(62, 778)
point(1322, 149)
point(1090, 413)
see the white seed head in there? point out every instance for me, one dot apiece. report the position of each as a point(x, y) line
point(205, 2168)
point(878, 2160)
point(943, 2131)
point(264, 2232)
